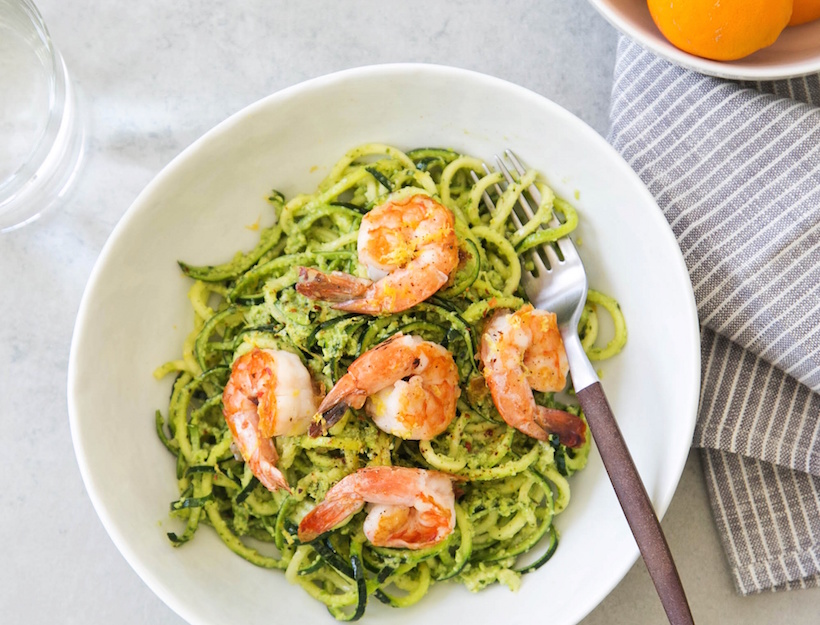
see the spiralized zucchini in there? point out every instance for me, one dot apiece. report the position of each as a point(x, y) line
point(511, 486)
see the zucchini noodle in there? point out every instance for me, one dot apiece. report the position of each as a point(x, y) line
point(510, 486)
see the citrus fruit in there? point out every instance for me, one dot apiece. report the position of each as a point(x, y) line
point(722, 30)
point(805, 11)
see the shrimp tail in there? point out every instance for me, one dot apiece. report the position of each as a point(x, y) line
point(272, 478)
point(323, 421)
point(328, 514)
point(261, 456)
point(330, 287)
point(571, 430)
point(367, 305)
point(345, 394)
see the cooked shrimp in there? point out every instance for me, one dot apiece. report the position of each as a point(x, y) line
point(409, 247)
point(522, 351)
point(269, 393)
point(410, 508)
point(408, 386)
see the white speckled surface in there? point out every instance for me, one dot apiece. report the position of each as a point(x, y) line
point(152, 77)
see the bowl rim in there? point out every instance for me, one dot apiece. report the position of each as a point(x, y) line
point(718, 69)
point(132, 556)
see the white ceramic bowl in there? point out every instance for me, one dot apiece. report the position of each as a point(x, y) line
point(795, 53)
point(135, 315)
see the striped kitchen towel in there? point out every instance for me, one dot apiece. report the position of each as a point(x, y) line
point(735, 168)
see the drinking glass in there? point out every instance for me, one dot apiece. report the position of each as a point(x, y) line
point(41, 137)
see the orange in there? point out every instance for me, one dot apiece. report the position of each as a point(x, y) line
point(723, 30)
point(805, 11)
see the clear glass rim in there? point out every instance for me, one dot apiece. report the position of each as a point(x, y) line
point(52, 163)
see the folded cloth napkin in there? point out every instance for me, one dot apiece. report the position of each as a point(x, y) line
point(735, 168)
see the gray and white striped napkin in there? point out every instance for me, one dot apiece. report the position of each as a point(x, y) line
point(735, 169)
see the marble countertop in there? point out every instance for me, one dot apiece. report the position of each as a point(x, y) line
point(152, 76)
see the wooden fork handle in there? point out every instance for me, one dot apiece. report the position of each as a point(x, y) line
point(635, 503)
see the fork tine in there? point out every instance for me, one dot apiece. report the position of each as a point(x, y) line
point(499, 191)
point(545, 256)
point(535, 255)
point(533, 190)
point(488, 202)
point(503, 168)
point(551, 254)
point(540, 266)
point(564, 243)
point(522, 201)
point(546, 251)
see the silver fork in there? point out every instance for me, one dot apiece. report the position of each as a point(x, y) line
point(560, 286)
